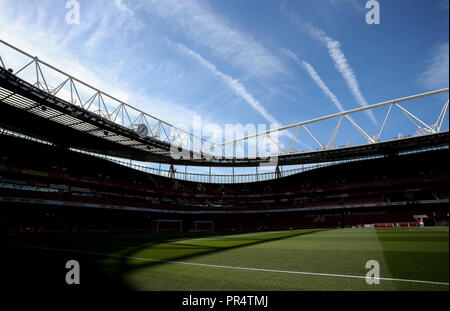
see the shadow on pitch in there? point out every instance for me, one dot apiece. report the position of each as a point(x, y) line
point(105, 260)
point(130, 259)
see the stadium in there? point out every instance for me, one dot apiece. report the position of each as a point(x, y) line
point(142, 204)
point(74, 198)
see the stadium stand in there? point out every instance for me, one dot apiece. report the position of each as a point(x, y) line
point(48, 187)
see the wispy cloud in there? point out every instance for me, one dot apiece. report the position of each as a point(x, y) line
point(355, 5)
point(317, 79)
point(201, 25)
point(436, 74)
point(234, 84)
point(342, 65)
point(292, 56)
point(340, 61)
point(123, 7)
point(109, 23)
point(315, 76)
point(14, 28)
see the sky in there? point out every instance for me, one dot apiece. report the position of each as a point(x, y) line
point(254, 61)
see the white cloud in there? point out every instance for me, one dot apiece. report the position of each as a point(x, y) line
point(121, 96)
point(342, 65)
point(318, 80)
point(340, 61)
point(200, 24)
point(436, 74)
point(357, 6)
point(14, 29)
point(123, 7)
point(292, 56)
point(108, 24)
point(315, 76)
point(234, 84)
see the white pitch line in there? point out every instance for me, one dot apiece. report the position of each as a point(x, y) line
point(228, 267)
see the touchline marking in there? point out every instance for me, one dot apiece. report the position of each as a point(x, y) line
point(225, 267)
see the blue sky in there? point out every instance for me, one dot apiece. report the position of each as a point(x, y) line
point(253, 61)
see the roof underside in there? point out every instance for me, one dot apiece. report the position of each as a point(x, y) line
point(28, 110)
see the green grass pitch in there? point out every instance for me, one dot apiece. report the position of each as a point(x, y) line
point(313, 259)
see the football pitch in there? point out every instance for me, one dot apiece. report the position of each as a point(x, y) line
point(294, 260)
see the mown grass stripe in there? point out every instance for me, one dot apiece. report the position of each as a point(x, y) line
point(228, 267)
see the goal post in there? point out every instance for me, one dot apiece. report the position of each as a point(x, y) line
point(203, 226)
point(167, 225)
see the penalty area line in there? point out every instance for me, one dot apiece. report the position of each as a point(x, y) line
point(225, 267)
